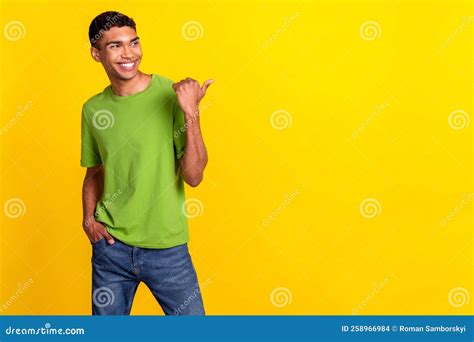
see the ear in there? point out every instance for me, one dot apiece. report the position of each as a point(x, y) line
point(95, 53)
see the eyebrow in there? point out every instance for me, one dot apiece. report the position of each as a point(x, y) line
point(120, 42)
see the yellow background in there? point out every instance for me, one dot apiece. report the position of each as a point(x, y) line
point(281, 229)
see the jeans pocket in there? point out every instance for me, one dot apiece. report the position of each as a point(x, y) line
point(97, 242)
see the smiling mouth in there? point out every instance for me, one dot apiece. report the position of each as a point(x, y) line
point(128, 65)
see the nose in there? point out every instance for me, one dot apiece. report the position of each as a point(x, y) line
point(126, 52)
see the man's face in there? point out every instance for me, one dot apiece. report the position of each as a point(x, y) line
point(119, 52)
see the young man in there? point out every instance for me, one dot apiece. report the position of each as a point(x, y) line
point(140, 138)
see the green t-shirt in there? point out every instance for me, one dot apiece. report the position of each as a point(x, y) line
point(139, 139)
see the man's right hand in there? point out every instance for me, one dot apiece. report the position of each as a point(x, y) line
point(96, 231)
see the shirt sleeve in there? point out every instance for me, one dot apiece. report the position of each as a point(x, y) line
point(179, 130)
point(90, 155)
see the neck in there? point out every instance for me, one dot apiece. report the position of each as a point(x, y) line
point(131, 86)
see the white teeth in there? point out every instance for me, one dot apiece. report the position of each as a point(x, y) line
point(127, 65)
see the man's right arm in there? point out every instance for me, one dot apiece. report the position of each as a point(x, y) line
point(91, 193)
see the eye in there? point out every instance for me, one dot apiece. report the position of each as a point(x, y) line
point(135, 43)
point(113, 46)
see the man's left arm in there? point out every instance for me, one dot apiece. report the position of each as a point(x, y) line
point(194, 159)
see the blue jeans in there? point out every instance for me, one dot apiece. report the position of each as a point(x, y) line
point(118, 269)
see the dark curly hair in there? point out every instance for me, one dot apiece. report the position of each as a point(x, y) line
point(104, 21)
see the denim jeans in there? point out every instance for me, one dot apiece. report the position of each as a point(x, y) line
point(118, 269)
